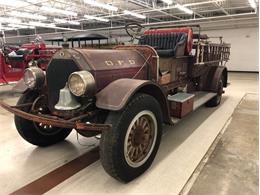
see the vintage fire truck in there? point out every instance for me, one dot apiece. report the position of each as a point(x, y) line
point(125, 94)
point(13, 62)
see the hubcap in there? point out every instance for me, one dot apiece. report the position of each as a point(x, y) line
point(140, 138)
point(39, 107)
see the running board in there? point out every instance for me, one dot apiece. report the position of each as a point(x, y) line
point(200, 98)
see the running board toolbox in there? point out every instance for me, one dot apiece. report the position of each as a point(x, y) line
point(183, 103)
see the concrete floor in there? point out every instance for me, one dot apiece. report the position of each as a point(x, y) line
point(182, 148)
point(232, 168)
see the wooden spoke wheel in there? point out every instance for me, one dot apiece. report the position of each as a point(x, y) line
point(140, 138)
point(129, 148)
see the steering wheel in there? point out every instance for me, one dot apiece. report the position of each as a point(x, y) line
point(134, 30)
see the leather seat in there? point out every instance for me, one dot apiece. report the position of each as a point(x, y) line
point(166, 44)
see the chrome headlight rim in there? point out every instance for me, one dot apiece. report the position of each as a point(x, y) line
point(88, 83)
point(37, 77)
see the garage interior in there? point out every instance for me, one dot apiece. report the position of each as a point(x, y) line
point(210, 151)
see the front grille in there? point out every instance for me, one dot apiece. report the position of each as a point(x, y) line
point(57, 75)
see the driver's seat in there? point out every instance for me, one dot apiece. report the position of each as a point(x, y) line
point(170, 44)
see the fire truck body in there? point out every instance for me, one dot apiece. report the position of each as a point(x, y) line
point(124, 94)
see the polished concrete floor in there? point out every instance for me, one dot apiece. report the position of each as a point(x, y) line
point(232, 168)
point(182, 149)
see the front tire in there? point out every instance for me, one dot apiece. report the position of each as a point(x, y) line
point(33, 132)
point(129, 148)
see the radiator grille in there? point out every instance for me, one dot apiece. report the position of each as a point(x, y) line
point(57, 75)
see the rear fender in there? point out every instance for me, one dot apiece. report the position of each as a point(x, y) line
point(213, 76)
point(221, 71)
point(117, 94)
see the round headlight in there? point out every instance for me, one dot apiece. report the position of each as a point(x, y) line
point(82, 83)
point(34, 77)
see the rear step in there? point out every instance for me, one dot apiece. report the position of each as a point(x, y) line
point(200, 98)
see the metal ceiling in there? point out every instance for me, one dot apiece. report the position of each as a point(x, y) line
point(239, 12)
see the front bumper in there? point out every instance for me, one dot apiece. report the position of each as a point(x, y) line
point(55, 121)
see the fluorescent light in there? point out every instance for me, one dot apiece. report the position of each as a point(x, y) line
point(10, 20)
point(168, 1)
point(26, 15)
point(252, 3)
point(101, 5)
point(41, 24)
point(96, 18)
point(20, 26)
point(13, 3)
point(7, 28)
point(58, 11)
point(62, 21)
point(126, 12)
point(185, 9)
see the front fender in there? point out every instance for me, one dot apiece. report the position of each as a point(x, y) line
point(117, 94)
point(20, 87)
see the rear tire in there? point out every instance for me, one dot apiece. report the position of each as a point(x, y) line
point(129, 148)
point(33, 133)
point(217, 99)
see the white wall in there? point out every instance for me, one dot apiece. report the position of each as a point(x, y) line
point(244, 48)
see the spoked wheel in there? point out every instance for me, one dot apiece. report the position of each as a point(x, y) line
point(37, 133)
point(129, 148)
point(140, 138)
point(39, 107)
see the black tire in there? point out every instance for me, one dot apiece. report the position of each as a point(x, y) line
point(112, 141)
point(30, 132)
point(217, 99)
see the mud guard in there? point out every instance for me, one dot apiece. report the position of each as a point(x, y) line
point(220, 71)
point(20, 87)
point(117, 94)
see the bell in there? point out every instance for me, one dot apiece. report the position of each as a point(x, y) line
point(66, 100)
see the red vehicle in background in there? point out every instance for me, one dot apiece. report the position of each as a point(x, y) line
point(13, 61)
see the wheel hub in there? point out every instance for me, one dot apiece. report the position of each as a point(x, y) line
point(138, 136)
point(39, 107)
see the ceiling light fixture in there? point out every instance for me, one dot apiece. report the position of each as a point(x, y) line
point(27, 15)
point(13, 3)
point(10, 20)
point(6, 28)
point(20, 26)
point(41, 24)
point(169, 2)
point(96, 18)
point(126, 12)
point(252, 3)
point(101, 5)
point(59, 11)
point(185, 9)
point(62, 21)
